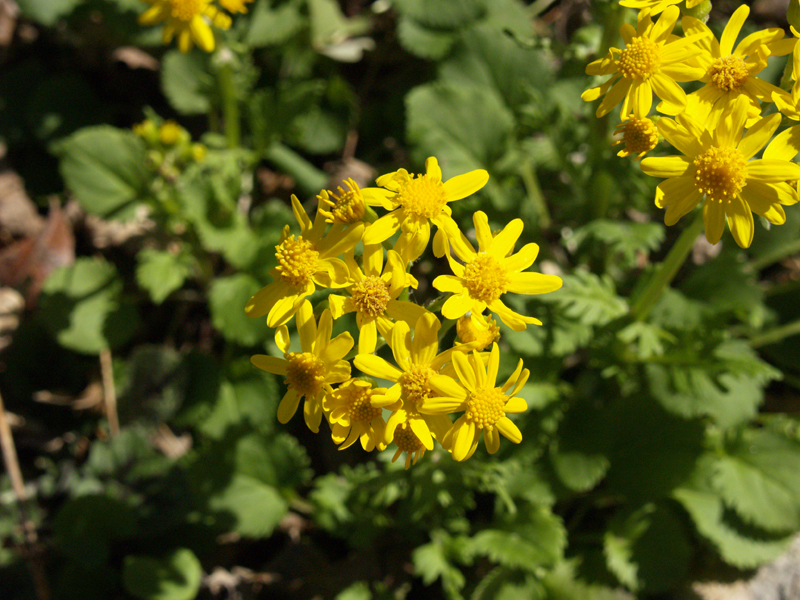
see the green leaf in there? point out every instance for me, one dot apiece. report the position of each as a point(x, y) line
point(724, 285)
point(161, 272)
point(420, 41)
point(759, 478)
point(104, 167)
point(738, 549)
point(252, 400)
point(272, 26)
point(186, 82)
point(47, 12)
point(590, 299)
point(80, 305)
point(579, 453)
point(539, 541)
point(175, 577)
point(256, 508)
point(648, 549)
point(227, 298)
point(433, 560)
point(318, 131)
point(627, 240)
point(562, 584)
point(357, 591)
point(442, 14)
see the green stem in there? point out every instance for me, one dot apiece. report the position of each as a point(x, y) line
point(230, 104)
point(528, 173)
point(772, 257)
point(774, 336)
point(667, 270)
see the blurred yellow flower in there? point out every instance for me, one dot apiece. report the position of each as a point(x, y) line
point(416, 201)
point(653, 60)
point(716, 165)
point(353, 417)
point(304, 262)
point(309, 373)
point(188, 20)
point(491, 272)
point(485, 406)
point(373, 296)
point(235, 6)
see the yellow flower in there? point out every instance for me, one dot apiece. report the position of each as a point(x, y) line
point(656, 6)
point(171, 133)
point(491, 272)
point(639, 135)
point(419, 367)
point(477, 330)
point(416, 201)
point(235, 6)
point(717, 165)
point(353, 417)
point(653, 60)
point(188, 19)
point(731, 72)
point(304, 262)
point(406, 441)
point(373, 296)
point(485, 406)
point(344, 207)
point(311, 372)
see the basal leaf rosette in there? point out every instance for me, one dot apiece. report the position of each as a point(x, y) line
point(484, 404)
point(416, 201)
point(491, 272)
point(304, 262)
point(653, 61)
point(417, 364)
point(373, 296)
point(718, 165)
point(730, 72)
point(188, 20)
point(309, 373)
point(353, 417)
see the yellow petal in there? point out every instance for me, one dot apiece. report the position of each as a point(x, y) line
point(758, 136)
point(740, 220)
point(373, 259)
point(464, 185)
point(400, 341)
point(337, 305)
point(680, 137)
point(512, 319)
point(288, 406)
point(515, 405)
point(509, 430)
point(786, 144)
point(492, 440)
point(465, 371)
point(533, 283)
point(521, 260)
point(614, 96)
point(432, 168)
point(400, 310)
point(426, 339)
point(420, 428)
point(282, 338)
point(447, 386)
point(714, 217)
point(458, 305)
point(384, 228)
point(504, 242)
point(464, 437)
point(683, 206)
point(449, 283)
point(306, 326)
point(666, 166)
point(339, 346)
point(732, 29)
point(492, 366)
point(270, 364)
point(771, 170)
point(483, 232)
point(441, 405)
point(312, 413)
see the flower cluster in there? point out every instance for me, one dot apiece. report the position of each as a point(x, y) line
point(719, 129)
point(190, 21)
point(365, 260)
point(170, 146)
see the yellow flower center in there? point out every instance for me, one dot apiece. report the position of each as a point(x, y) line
point(721, 173)
point(415, 385)
point(423, 196)
point(186, 10)
point(297, 260)
point(485, 407)
point(639, 135)
point(305, 373)
point(485, 278)
point(370, 296)
point(640, 59)
point(469, 331)
point(729, 73)
point(344, 206)
point(357, 400)
point(406, 440)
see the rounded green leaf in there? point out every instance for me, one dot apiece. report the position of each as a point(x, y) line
point(174, 577)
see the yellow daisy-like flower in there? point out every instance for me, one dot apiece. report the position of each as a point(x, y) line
point(419, 366)
point(485, 406)
point(344, 207)
point(653, 60)
point(478, 330)
point(373, 296)
point(731, 72)
point(188, 19)
point(640, 135)
point(491, 272)
point(416, 201)
point(353, 417)
point(309, 373)
point(304, 262)
point(406, 441)
point(235, 6)
point(656, 6)
point(717, 165)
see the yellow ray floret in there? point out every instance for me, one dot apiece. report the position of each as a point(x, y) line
point(235, 6)
point(730, 72)
point(717, 165)
point(491, 272)
point(188, 20)
point(304, 262)
point(656, 6)
point(416, 201)
point(309, 373)
point(353, 417)
point(653, 61)
point(373, 296)
point(484, 404)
